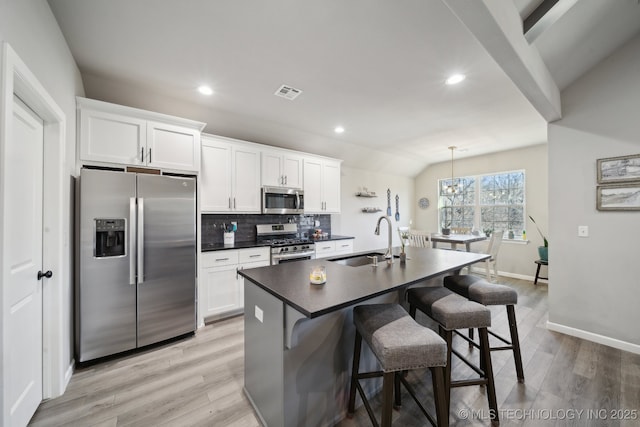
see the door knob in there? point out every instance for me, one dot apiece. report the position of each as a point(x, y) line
point(48, 274)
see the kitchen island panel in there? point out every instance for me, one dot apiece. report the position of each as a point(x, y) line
point(307, 382)
point(263, 361)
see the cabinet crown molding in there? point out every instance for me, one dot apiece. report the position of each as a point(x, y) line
point(108, 107)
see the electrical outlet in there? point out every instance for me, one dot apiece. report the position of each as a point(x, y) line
point(583, 231)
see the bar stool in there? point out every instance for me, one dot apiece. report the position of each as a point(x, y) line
point(479, 290)
point(400, 344)
point(452, 312)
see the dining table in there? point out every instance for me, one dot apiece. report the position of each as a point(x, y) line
point(456, 239)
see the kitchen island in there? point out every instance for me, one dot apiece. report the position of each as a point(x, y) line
point(299, 336)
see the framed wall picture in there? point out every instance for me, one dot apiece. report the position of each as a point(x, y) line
point(619, 197)
point(619, 169)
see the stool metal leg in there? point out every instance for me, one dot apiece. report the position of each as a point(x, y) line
point(515, 342)
point(488, 372)
point(354, 372)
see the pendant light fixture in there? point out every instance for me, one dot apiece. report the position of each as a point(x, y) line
point(452, 188)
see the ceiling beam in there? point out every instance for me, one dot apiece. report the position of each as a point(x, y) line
point(537, 14)
point(498, 28)
point(554, 10)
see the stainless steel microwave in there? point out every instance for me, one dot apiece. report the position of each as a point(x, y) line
point(280, 200)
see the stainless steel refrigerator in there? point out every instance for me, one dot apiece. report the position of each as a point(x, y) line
point(136, 276)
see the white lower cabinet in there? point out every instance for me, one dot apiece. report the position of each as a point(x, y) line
point(333, 248)
point(222, 286)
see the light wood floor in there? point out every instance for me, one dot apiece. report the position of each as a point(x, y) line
point(198, 382)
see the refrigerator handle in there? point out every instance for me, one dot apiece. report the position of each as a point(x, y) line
point(140, 240)
point(132, 240)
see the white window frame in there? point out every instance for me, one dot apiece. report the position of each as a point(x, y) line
point(477, 214)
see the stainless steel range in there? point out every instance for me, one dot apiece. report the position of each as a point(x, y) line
point(286, 244)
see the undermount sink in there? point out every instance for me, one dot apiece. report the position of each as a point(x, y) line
point(359, 260)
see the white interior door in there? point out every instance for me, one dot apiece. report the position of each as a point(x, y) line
point(22, 289)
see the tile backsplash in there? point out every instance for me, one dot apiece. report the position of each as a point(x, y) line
point(213, 225)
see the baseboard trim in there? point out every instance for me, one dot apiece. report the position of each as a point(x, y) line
point(597, 338)
point(68, 373)
point(482, 272)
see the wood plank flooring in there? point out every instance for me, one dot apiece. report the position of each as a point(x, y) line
point(198, 381)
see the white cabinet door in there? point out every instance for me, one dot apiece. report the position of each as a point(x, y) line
point(215, 175)
point(230, 176)
point(173, 147)
point(221, 290)
point(331, 187)
point(281, 169)
point(313, 202)
point(321, 186)
point(271, 169)
point(245, 180)
point(112, 138)
point(292, 171)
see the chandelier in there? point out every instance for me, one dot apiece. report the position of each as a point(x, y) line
point(452, 188)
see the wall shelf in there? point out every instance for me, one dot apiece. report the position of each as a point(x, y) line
point(371, 210)
point(366, 194)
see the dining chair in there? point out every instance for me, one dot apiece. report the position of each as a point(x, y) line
point(419, 239)
point(492, 249)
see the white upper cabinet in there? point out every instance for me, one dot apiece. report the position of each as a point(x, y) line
point(230, 176)
point(281, 169)
point(111, 133)
point(173, 147)
point(321, 185)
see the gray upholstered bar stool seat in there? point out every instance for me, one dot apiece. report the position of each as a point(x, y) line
point(479, 290)
point(452, 312)
point(400, 344)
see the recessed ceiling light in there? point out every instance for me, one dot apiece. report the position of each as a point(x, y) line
point(205, 90)
point(338, 129)
point(455, 79)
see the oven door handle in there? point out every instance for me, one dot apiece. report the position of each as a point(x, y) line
point(294, 255)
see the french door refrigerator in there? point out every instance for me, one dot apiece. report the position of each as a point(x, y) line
point(136, 277)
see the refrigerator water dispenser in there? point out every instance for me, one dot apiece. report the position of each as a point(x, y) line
point(110, 237)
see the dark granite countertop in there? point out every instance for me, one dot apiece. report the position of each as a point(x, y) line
point(206, 247)
point(348, 285)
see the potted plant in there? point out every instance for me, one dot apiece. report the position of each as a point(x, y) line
point(543, 251)
point(487, 231)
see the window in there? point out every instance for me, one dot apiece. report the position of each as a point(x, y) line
point(484, 202)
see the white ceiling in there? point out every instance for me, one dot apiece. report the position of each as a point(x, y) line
point(376, 67)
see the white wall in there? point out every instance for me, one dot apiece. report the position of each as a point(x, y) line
point(353, 222)
point(33, 33)
point(595, 285)
point(515, 258)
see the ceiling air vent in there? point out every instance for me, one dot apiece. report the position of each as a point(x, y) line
point(288, 92)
